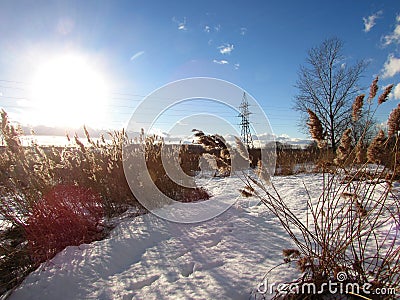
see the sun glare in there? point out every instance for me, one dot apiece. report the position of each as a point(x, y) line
point(68, 91)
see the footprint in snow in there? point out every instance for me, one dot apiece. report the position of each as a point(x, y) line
point(187, 269)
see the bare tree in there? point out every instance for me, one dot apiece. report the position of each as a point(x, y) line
point(327, 86)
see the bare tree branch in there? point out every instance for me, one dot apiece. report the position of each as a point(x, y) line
point(327, 86)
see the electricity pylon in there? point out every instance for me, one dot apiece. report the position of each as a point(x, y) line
point(247, 139)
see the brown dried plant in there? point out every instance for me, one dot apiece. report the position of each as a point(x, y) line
point(384, 96)
point(352, 227)
point(344, 149)
point(375, 150)
point(356, 107)
point(373, 89)
point(360, 153)
point(394, 121)
point(315, 128)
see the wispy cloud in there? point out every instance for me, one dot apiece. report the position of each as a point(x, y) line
point(393, 37)
point(136, 55)
point(243, 31)
point(207, 29)
point(181, 24)
point(391, 66)
point(370, 21)
point(236, 66)
point(217, 28)
point(226, 48)
point(182, 123)
point(221, 62)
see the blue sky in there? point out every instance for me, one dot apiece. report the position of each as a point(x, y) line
point(138, 46)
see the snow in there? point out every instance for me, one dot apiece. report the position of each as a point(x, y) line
point(147, 257)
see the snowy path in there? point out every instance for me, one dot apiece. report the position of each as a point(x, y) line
point(150, 258)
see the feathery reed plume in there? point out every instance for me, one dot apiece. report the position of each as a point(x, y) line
point(79, 143)
point(245, 193)
point(373, 89)
point(220, 139)
point(360, 209)
point(383, 98)
point(356, 107)
point(375, 150)
point(224, 153)
point(87, 135)
point(241, 149)
point(394, 121)
point(290, 254)
point(360, 153)
point(210, 160)
point(9, 133)
point(263, 173)
point(344, 148)
point(316, 130)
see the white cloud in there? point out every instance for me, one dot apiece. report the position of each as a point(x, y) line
point(226, 48)
point(243, 31)
point(391, 66)
point(136, 55)
point(207, 29)
point(182, 123)
point(370, 21)
point(181, 24)
point(217, 28)
point(221, 62)
point(236, 66)
point(395, 94)
point(394, 37)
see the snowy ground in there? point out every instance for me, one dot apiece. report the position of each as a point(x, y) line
point(150, 258)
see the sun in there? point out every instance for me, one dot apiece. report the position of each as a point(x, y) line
point(68, 91)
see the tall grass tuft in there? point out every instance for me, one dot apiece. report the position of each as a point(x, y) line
point(352, 228)
point(53, 197)
point(316, 130)
point(384, 96)
point(66, 216)
point(394, 121)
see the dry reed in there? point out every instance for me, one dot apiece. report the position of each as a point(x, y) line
point(394, 121)
point(384, 96)
point(375, 150)
point(356, 107)
point(315, 128)
point(373, 89)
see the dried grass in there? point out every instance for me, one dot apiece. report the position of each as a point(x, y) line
point(47, 221)
point(316, 129)
point(394, 121)
point(353, 226)
point(385, 95)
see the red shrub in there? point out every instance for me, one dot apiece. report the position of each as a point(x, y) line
point(66, 216)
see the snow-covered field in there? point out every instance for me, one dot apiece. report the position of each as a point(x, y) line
point(149, 258)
